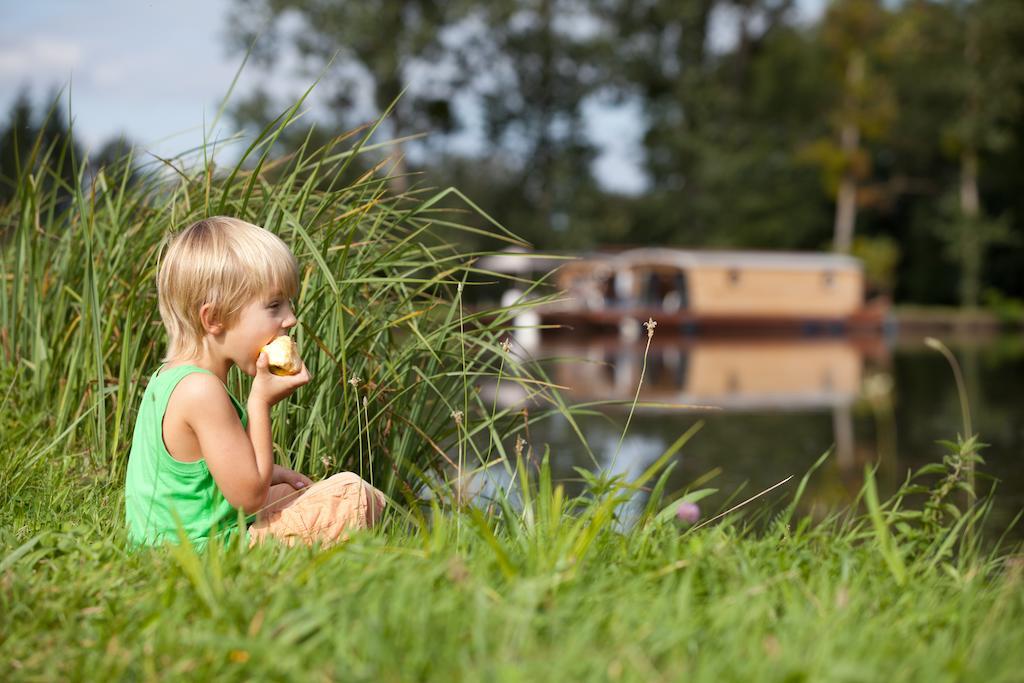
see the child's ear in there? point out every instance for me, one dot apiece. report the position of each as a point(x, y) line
point(208, 317)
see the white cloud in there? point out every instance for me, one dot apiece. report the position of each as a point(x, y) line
point(39, 56)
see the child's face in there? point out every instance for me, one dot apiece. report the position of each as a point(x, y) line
point(258, 324)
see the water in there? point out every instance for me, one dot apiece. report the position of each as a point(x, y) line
point(773, 407)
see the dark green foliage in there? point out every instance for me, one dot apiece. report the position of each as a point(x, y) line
point(740, 139)
point(39, 145)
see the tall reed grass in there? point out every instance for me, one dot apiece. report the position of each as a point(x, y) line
point(392, 350)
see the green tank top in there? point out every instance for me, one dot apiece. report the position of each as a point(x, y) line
point(158, 487)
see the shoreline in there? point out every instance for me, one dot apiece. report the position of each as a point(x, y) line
point(940, 319)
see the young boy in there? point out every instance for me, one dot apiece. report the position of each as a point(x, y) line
point(198, 456)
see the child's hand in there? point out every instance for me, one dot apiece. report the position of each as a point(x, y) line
point(269, 388)
point(297, 480)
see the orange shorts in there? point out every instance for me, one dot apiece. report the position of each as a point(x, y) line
point(322, 513)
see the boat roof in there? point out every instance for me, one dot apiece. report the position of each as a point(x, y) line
point(521, 261)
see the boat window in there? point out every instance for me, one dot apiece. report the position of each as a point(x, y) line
point(734, 276)
point(829, 279)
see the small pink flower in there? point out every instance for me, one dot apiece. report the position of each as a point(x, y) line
point(688, 513)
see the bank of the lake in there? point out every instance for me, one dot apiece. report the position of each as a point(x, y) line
point(914, 320)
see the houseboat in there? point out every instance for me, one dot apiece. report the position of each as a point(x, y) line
point(691, 290)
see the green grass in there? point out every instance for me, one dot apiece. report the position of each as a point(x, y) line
point(536, 586)
point(539, 594)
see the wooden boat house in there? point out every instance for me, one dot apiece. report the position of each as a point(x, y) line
point(704, 289)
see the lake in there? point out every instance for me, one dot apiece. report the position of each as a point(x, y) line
point(772, 407)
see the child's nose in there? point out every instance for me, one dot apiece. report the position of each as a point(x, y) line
point(289, 322)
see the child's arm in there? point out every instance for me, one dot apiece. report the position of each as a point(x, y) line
point(241, 461)
point(267, 390)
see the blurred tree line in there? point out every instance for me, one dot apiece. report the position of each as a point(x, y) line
point(33, 138)
point(891, 129)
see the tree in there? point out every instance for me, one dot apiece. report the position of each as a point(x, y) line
point(524, 65)
point(15, 145)
point(853, 33)
point(990, 91)
point(393, 46)
point(723, 124)
point(539, 64)
point(26, 140)
point(960, 82)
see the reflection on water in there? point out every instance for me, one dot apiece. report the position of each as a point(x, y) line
point(732, 375)
point(774, 406)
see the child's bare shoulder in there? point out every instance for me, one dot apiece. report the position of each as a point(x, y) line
point(200, 394)
point(200, 385)
point(198, 404)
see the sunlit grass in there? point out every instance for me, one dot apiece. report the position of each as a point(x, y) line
point(551, 590)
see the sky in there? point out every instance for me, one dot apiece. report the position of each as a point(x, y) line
point(156, 85)
point(124, 75)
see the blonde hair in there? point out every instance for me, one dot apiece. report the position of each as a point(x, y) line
point(222, 261)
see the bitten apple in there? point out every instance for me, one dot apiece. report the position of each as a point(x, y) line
point(283, 355)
